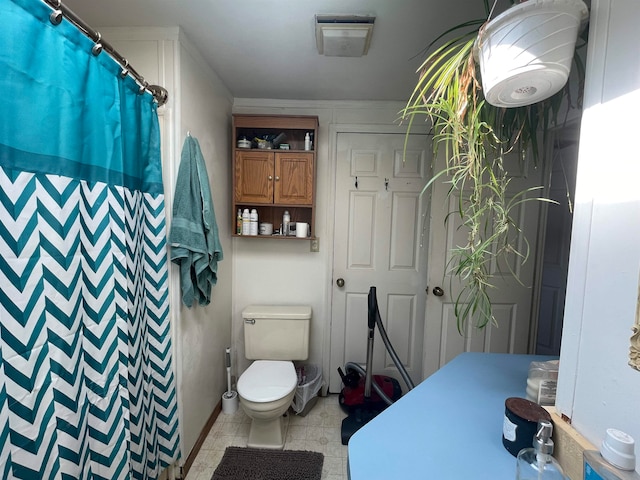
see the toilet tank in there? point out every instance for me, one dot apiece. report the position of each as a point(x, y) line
point(276, 332)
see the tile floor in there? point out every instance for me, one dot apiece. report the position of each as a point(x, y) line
point(318, 431)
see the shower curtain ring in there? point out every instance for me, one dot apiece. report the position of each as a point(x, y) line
point(56, 17)
point(125, 70)
point(97, 48)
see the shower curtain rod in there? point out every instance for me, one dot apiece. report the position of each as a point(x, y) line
point(60, 11)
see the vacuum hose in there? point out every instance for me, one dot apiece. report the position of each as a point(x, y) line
point(373, 319)
point(392, 352)
point(371, 323)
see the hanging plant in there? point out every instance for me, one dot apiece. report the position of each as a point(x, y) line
point(475, 136)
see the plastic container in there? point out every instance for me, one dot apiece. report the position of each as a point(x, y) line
point(286, 220)
point(309, 384)
point(520, 424)
point(597, 468)
point(307, 141)
point(246, 222)
point(542, 382)
point(239, 222)
point(615, 461)
point(230, 402)
point(244, 143)
point(253, 222)
point(263, 144)
point(525, 53)
point(265, 228)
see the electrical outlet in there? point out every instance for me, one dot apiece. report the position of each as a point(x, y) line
point(314, 246)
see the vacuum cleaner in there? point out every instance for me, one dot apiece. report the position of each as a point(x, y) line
point(357, 398)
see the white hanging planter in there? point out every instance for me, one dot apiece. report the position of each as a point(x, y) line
point(525, 53)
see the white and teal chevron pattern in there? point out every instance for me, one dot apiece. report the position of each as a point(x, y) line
point(86, 381)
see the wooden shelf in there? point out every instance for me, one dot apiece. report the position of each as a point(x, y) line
point(273, 237)
point(274, 180)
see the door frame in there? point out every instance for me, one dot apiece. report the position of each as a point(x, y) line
point(572, 124)
point(334, 130)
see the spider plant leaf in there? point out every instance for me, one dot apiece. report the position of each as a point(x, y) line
point(474, 137)
point(477, 23)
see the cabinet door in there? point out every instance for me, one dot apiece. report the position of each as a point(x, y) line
point(254, 177)
point(294, 179)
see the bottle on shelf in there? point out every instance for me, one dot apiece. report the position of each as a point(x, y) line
point(239, 222)
point(246, 222)
point(616, 459)
point(253, 222)
point(307, 141)
point(537, 462)
point(286, 219)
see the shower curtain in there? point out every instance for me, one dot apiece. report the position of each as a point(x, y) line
point(86, 381)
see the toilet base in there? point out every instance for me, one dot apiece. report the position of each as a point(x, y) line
point(270, 433)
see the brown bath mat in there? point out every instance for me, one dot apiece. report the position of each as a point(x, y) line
point(260, 464)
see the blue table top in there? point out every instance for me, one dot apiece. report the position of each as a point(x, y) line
point(448, 427)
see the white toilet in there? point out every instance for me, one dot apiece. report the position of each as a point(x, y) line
point(273, 337)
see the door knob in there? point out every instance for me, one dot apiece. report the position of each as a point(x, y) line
point(438, 292)
point(340, 282)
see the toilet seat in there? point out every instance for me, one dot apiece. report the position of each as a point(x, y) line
point(267, 381)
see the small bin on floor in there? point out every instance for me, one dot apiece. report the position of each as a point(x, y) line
point(309, 384)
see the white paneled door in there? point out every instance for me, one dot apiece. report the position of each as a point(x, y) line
point(511, 299)
point(379, 241)
point(381, 232)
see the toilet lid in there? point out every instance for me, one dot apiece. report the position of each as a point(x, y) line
point(267, 380)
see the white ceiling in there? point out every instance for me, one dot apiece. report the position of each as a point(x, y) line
point(266, 48)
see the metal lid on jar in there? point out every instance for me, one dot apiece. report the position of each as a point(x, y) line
point(527, 410)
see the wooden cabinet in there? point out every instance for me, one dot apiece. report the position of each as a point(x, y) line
point(273, 179)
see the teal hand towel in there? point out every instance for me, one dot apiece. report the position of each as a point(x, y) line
point(195, 245)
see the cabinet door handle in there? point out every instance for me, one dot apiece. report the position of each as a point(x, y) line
point(270, 177)
point(277, 178)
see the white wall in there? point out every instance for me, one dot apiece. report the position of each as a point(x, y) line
point(205, 111)
point(201, 104)
point(597, 389)
point(277, 272)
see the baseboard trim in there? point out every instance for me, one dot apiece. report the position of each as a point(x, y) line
point(201, 438)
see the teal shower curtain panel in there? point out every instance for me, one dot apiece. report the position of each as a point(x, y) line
point(86, 381)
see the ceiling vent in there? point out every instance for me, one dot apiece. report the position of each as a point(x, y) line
point(343, 35)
